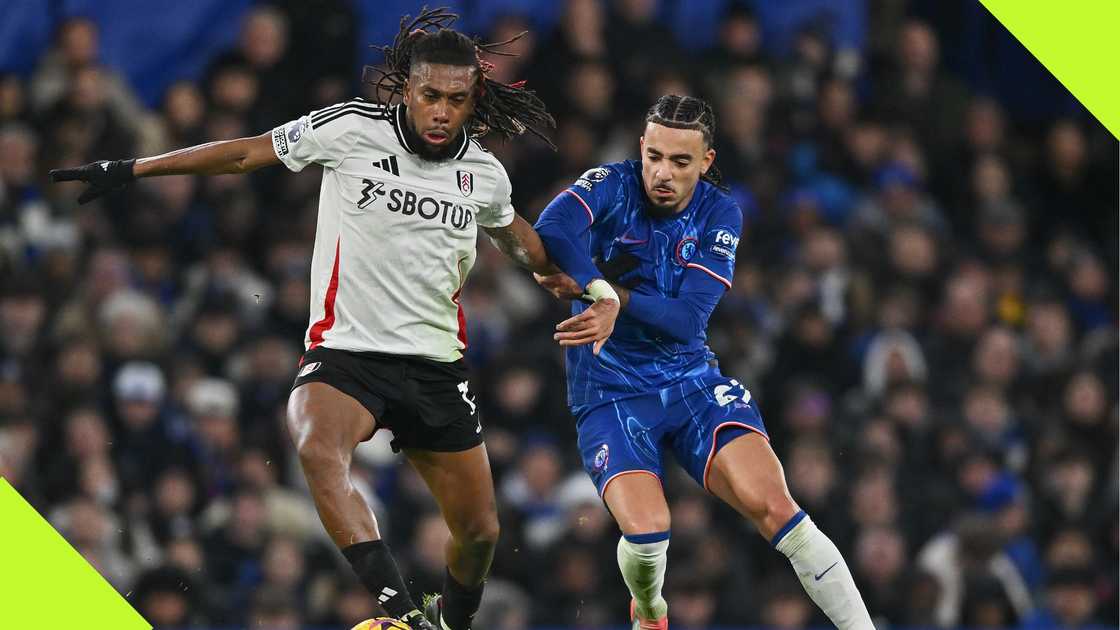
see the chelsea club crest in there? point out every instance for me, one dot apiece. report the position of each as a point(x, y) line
point(601, 457)
point(686, 250)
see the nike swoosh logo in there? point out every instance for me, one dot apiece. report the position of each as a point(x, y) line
point(818, 577)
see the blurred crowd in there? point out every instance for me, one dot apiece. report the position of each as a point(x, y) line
point(925, 304)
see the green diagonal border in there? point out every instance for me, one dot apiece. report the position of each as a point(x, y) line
point(44, 581)
point(1077, 42)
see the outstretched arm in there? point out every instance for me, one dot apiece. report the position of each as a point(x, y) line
point(213, 158)
point(520, 242)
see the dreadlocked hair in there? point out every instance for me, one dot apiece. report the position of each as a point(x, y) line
point(688, 112)
point(509, 110)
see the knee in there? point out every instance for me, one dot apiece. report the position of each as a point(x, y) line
point(485, 531)
point(658, 523)
point(479, 531)
point(772, 512)
point(645, 523)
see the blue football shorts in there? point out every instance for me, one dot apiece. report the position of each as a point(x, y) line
point(632, 434)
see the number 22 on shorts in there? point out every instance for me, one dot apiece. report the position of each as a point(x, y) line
point(724, 398)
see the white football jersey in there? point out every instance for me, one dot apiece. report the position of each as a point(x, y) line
point(396, 234)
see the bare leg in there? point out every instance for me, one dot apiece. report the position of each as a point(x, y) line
point(464, 489)
point(326, 425)
point(748, 476)
point(638, 504)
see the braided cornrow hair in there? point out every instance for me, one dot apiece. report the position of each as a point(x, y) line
point(688, 112)
point(510, 110)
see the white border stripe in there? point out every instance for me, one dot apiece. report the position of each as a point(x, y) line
point(725, 281)
point(590, 215)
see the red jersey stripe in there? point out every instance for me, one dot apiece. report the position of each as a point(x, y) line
point(462, 318)
point(324, 324)
point(455, 299)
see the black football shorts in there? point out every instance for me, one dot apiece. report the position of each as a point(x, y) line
point(426, 404)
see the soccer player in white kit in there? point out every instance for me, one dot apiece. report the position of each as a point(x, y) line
point(405, 188)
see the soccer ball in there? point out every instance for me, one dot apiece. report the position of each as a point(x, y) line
point(381, 623)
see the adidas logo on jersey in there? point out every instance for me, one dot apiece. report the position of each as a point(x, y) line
point(389, 165)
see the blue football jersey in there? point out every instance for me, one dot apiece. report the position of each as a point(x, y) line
point(663, 257)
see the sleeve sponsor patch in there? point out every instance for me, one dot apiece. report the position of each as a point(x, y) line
point(295, 131)
point(279, 142)
point(723, 243)
point(592, 177)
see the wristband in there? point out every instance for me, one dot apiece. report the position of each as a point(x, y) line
point(126, 169)
point(600, 289)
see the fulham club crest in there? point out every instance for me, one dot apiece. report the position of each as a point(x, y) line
point(466, 182)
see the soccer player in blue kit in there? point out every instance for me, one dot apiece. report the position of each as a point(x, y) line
point(659, 237)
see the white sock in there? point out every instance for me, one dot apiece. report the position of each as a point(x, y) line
point(643, 569)
point(823, 573)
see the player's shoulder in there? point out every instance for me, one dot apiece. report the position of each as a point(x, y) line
point(624, 173)
point(356, 112)
point(474, 153)
point(718, 203)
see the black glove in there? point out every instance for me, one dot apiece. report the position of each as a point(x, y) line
point(102, 177)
